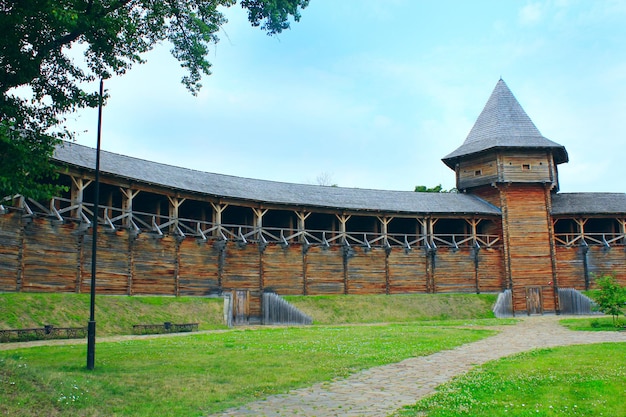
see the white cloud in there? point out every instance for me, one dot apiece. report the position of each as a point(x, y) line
point(531, 14)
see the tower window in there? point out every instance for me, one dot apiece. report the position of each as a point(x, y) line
point(478, 172)
point(525, 167)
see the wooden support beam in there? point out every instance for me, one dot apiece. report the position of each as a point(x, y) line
point(127, 206)
point(384, 225)
point(302, 216)
point(174, 207)
point(76, 195)
point(258, 222)
point(343, 219)
point(218, 210)
point(581, 226)
point(473, 223)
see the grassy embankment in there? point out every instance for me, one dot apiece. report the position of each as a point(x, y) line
point(117, 314)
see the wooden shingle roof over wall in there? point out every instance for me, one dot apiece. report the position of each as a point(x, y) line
point(261, 191)
point(503, 124)
point(566, 204)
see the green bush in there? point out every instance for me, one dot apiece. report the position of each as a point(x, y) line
point(611, 297)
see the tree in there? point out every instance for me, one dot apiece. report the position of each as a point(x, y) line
point(436, 189)
point(612, 297)
point(325, 179)
point(39, 82)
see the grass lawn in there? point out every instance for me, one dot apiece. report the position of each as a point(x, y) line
point(199, 374)
point(601, 323)
point(584, 380)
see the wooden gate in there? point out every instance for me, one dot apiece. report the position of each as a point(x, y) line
point(241, 307)
point(534, 304)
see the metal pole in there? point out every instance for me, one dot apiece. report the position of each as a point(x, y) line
point(91, 328)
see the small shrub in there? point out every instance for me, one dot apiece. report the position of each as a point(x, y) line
point(611, 298)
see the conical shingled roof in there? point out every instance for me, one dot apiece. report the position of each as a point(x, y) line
point(503, 123)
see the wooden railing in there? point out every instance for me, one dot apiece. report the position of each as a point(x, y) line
point(42, 333)
point(590, 239)
point(115, 218)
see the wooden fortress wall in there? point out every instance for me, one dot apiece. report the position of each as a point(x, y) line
point(43, 255)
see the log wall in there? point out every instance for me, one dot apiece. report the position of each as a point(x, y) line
point(113, 264)
point(408, 272)
point(283, 269)
point(11, 233)
point(366, 271)
point(48, 256)
point(603, 261)
point(454, 270)
point(577, 267)
point(324, 270)
point(198, 272)
point(570, 267)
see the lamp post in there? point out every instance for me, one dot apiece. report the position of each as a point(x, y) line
point(91, 328)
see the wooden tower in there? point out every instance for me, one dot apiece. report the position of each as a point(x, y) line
point(506, 161)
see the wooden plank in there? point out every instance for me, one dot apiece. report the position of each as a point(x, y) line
point(241, 267)
point(154, 265)
point(454, 270)
point(50, 256)
point(491, 276)
point(283, 269)
point(607, 261)
point(113, 262)
point(570, 267)
point(10, 243)
point(407, 271)
point(366, 271)
point(324, 270)
point(199, 268)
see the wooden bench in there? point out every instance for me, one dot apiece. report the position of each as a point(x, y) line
point(42, 333)
point(166, 327)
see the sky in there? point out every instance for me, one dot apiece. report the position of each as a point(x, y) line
point(373, 93)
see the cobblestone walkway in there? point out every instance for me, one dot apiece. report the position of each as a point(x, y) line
point(379, 391)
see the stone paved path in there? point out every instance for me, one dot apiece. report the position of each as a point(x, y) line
point(379, 391)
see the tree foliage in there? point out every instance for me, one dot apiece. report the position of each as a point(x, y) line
point(40, 83)
point(436, 189)
point(612, 297)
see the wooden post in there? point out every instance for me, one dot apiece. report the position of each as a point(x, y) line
point(76, 194)
point(384, 225)
point(475, 249)
point(175, 204)
point(343, 219)
point(584, 251)
point(428, 227)
point(127, 205)
point(302, 216)
point(218, 209)
point(384, 228)
point(258, 221)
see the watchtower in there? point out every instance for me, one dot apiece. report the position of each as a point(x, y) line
point(506, 161)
